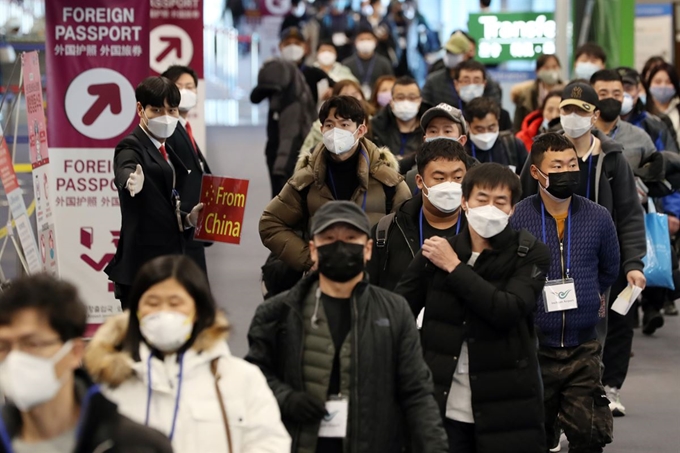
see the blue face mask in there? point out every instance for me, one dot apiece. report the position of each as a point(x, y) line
point(470, 92)
point(585, 70)
point(545, 123)
point(663, 94)
point(430, 139)
point(643, 98)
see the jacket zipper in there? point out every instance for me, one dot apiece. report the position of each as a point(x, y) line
point(413, 254)
point(564, 315)
point(302, 379)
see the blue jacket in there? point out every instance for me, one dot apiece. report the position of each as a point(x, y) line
point(594, 266)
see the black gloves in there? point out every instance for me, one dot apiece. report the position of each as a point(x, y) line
point(304, 408)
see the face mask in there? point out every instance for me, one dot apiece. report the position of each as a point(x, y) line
point(162, 126)
point(643, 98)
point(366, 46)
point(166, 331)
point(452, 60)
point(341, 261)
point(28, 380)
point(487, 221)
point(384, 98)
point(326, 58)
point(548, 77)
point(627, 104)
point(561, 186)
point(610, 109)
point(663, 94)
point(367, 10)
point(545, 124)
point(585, 70)
point(188, 100)
point(469, 92)
point(575, 125)
point(339, 141)
point(293, 53)
point(300, 10)
point(430, 139)
point(484, 141)
point(444, 196)
point(406, 110)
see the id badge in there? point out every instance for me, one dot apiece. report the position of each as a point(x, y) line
point(178, 212)
point(334, 424)
point(559, 295)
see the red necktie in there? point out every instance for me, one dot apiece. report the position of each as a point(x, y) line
point(163, 152)
point(191, 137)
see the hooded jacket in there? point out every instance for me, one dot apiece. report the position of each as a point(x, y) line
point(525, 97)
point(615, 189)
point(103, 429)
point(531, 127)
point(288, 214)
point(389, 383)
point(254, 418)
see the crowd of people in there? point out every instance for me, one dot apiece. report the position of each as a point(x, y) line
point(441, 276)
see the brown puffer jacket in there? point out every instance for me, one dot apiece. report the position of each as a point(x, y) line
point(284, 217)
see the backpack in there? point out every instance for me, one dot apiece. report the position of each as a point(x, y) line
point(508, 141)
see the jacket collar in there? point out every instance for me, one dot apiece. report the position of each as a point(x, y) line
point(463, 242)
point(152, 150)
point(295, 298)
point(537, 202)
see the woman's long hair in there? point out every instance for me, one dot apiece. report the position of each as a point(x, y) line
point(672, 75)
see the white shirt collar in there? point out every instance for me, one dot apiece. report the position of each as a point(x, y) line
point(155, 142)
point(183, 121)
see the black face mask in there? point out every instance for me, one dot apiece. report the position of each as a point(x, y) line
point(341, 261)
point(610, 109)
point(563, 185)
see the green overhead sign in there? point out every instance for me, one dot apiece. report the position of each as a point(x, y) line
point(512, 36)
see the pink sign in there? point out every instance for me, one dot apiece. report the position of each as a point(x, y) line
point(176, 35)
point(35, 114)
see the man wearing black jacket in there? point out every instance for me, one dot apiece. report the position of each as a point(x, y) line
point(336, 347)
point(442, 164)
point(188, 152)
point(479, 290)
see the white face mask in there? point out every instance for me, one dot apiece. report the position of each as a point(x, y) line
point(452, 60)
point(166, 331)
point(326, 58)
point(189, 100)
point(162, 126)
point(585, 70)
point(406, 110)
point(293, 52)
point(472, 91)
point(444, 196)
point(488, 221)
point(29, 381)
point(627, 104)
point(484, 141)
point(339, 141)
point(575, 125)
point(366, 46)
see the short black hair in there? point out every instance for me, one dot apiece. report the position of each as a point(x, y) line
point(326, 43)
point(345, 107)
point(491, 175)
point(480, 107)
point(606, 75)
point(544, 58)
point(193, 280)
point(550, 141)
point(404, 81)
point(176, 71)
point(469, 65)
point(154, 91)
point(591, 49)
point(440, 148)
point(58, 301)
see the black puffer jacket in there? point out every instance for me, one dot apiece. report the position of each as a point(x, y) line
point(490, 306)
point(390, 380)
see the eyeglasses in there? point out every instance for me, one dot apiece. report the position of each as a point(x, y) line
point(407, 98)
point(29, 346)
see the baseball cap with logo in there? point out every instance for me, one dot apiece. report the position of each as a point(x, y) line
point(581, 95)
point(457, 43)
point(444, 111)
point(629, 75)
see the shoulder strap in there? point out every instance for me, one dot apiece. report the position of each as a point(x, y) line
point(383, 229)
point(220, 400)
point(526, 241)
point(510, 145)
point(390, 192)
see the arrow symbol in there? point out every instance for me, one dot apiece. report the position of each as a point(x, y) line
point(108, 96)
point(174, 43)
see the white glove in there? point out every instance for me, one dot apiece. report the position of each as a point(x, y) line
point(135, 182)
point(192, 218)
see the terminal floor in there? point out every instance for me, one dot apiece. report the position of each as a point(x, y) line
point(651, 394)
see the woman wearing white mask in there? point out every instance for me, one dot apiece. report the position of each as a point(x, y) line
point(326, 59)
point(167, 365)
point(479, 290)
point(147, 174)
point(529, 96)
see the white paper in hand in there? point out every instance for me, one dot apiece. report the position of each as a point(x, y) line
point(335, 423)
point(626, 299)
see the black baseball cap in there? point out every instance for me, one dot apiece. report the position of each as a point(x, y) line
point(335, 212)
point(581, 95)
point(444, 111)
point(292, 32)
point(629, 75)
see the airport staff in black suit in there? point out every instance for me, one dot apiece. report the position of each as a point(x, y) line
point(152, 222)
point(188, 151)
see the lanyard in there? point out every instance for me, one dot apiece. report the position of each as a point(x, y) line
point(568, 235)
point(421, 226)
point(335, 193)
point(590, 166)
point(179, 391)
point(474, 152)
point(455, 94)
point(403, 144)
point(365, 72)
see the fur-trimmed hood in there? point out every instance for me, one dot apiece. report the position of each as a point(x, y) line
point(106, 364)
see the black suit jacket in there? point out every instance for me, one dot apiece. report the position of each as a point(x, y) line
point(190, 191)
point(149, 226)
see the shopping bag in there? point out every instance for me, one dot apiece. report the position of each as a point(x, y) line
point(658, 266)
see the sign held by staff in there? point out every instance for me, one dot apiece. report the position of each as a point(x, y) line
point(224, 204)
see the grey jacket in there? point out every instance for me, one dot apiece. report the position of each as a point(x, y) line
point(637, 146)
point(439, 88)
point(381, 67)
